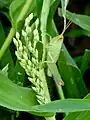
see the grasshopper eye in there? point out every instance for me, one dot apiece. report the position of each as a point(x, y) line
point(61, 37)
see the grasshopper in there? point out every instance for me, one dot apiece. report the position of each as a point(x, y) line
point(53, 53)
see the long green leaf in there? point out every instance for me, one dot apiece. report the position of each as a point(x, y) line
point(69, 105)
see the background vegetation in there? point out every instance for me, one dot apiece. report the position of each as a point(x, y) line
point(53, 84)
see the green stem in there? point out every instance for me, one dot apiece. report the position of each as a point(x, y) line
point(60, 92)
point(13, 30)
point(7, 42)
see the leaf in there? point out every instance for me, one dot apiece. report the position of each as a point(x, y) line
point(81, 20)
point(18, 98)
point(14, 97)
point(85, 61)
point(79, 115)
point(74, 85)
point(68, 105)
point(16, 8)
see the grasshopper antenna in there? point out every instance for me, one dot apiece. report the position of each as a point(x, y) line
point(65, 28)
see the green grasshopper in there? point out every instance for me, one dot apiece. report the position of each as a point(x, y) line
point(53, 53)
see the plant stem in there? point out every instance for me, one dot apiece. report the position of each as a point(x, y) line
point(7, 42)
point(60, 92)
point(13, 30)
